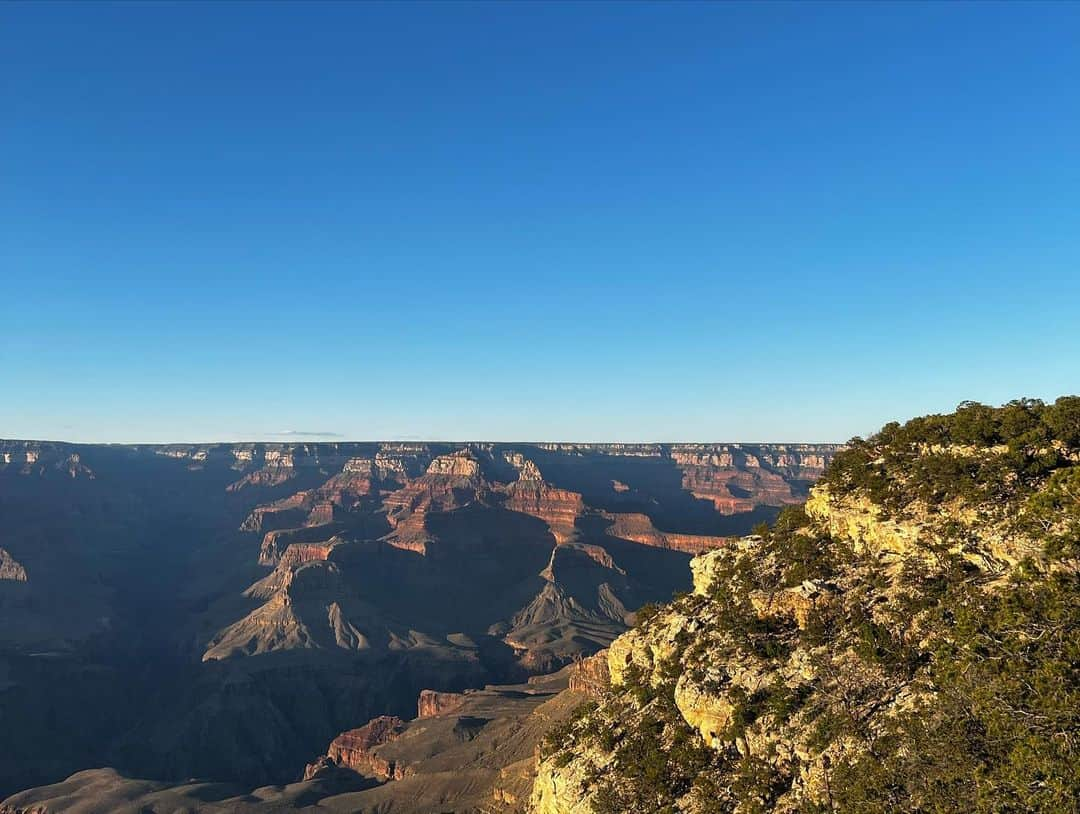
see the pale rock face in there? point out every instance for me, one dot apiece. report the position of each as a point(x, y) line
point(645, 650)
point(800, 461)
point(560, 790)
point(859, 521)
point(431, 703)
point(694, 457)
point(708, 714)
point(703, 569)
point(458, 465)
point(796, 603)
point(527, 470)
point(591, 676)
point(278, 457)
point(401, 462)
point(359, 466)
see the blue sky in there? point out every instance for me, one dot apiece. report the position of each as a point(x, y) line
point(533, 221)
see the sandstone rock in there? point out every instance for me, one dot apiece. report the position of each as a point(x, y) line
point(462, 464)
point(354, 749)
point(861, 522)
point(708, 713)
point(432, 703)
point(796, 603)
point(297, 554)
point(646, 649)
point(590, 675)
point(560, 790)
point(275, 542)
point(738, 477)
point(559, 508)
point(639, 529)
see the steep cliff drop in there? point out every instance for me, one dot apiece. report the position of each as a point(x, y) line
point(904, 643)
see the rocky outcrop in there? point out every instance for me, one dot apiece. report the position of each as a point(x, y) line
point(738, 478)
point(297, 554)
point(590, 675)
point(530, 494)
point(450, 482)
point(400, 463)
point(432, 703)
point(43, 459)
point(354, 750)
point(281, 463)
point(278, 467)
point(640, 529)
point(561, 789)
point(275, 542)
point(862, 522)
point(708, 712)
point(461, 464)
point(798, 603)
point(285, 513)
point(848, 653)
point(341, 494)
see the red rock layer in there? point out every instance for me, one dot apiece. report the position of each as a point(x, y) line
point(590, 675)
point(321, 514)
point(451, 482)
point(559, 508)
point(639, 529)
point(311, 507)
point(275, 542)
point(737, 480)
point(282, 513)
point(751, 489)
point(276, 469)
point(432, 703)
point(299, 553)
point(354, 749)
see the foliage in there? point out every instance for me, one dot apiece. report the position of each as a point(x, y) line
point(976, 454)
point(931, 683)
point(1001, 731)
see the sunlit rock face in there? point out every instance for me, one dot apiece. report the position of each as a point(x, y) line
point(737, 477)
point(530, 494)
point(432, 703)
point(354, 750)
point(865, 641)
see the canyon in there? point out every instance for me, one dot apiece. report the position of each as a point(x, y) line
point(228, 612)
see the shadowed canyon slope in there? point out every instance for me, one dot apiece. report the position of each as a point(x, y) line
point(225, 611)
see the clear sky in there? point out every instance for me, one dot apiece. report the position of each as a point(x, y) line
point(533, 221)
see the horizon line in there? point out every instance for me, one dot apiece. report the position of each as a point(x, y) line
point(398, 441)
